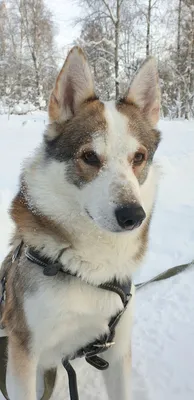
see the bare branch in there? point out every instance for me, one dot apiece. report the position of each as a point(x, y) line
point(110, 11)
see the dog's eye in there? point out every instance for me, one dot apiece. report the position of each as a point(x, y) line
point(90, 158)
point(138, 158)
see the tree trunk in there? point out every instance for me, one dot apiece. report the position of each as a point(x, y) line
point(117, 28)
point(148, 28)
point(37, 78)
point(191, 66)
point(178, 57)
point(179, 34)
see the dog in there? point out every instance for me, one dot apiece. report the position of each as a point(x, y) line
point(86, 199)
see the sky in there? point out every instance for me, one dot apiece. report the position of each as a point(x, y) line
point(64, 12)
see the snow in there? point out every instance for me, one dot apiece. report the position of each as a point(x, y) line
point(163, 333)
point(19, 108)
point(23, 108)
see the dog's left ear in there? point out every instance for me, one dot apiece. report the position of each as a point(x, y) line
point(73, 86)
point(145, 91)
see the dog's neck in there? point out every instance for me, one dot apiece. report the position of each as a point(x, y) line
point(106, 252)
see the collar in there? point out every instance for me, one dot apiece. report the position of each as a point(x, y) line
point(52, 269)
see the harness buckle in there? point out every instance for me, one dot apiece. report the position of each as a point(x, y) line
point(97, 348)
point(104, 345)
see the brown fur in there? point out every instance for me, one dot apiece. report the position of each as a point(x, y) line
point(139, 125)
point(143, 240)
point(55, 102)
point(76, 116)
point(28, 221)
point(87, 172)
point(29, 224)
point(86, 122)
point(141, 128)
point(13, 313)
point(20, 359)
point(72, 136)
point(23, 366)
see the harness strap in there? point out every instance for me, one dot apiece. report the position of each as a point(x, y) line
point(91, 351)
point(49, 269)
point(52, 268)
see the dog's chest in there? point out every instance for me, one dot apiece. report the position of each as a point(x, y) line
point(65, 315)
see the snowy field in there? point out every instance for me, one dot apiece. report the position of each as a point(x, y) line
point(163, 335)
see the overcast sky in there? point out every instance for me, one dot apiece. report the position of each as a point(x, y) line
point(64, 11)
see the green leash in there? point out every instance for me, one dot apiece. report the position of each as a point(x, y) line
point(49, 376)
point(166, 274)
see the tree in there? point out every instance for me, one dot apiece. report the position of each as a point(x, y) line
point(118, 35)
point(28, 51)
point(148, 27)
point(107, 15)
point(100, 51)
point(188, 55)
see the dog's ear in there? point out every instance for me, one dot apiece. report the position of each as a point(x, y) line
point(145, 90)
point(73, 86)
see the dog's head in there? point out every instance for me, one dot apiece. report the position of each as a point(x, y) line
point(105, 149)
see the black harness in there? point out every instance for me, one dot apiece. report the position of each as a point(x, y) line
point(92, 350)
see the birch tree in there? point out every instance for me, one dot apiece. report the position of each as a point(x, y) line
point(28, 60)
point(107, 14)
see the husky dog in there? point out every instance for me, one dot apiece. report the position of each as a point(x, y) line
point(86, 199)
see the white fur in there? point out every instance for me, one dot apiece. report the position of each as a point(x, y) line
point(65, 313)
point(100, 196)
point(98, 254)
point(74, 313)
point(145, 92)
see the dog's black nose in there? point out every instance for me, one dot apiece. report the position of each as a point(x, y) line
point(130, 216)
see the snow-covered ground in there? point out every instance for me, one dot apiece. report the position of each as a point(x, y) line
point(163, 334)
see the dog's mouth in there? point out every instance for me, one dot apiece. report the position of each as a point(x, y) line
point(128, 228)
point(114, 230)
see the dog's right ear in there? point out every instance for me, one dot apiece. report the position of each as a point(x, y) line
point(73, 86)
